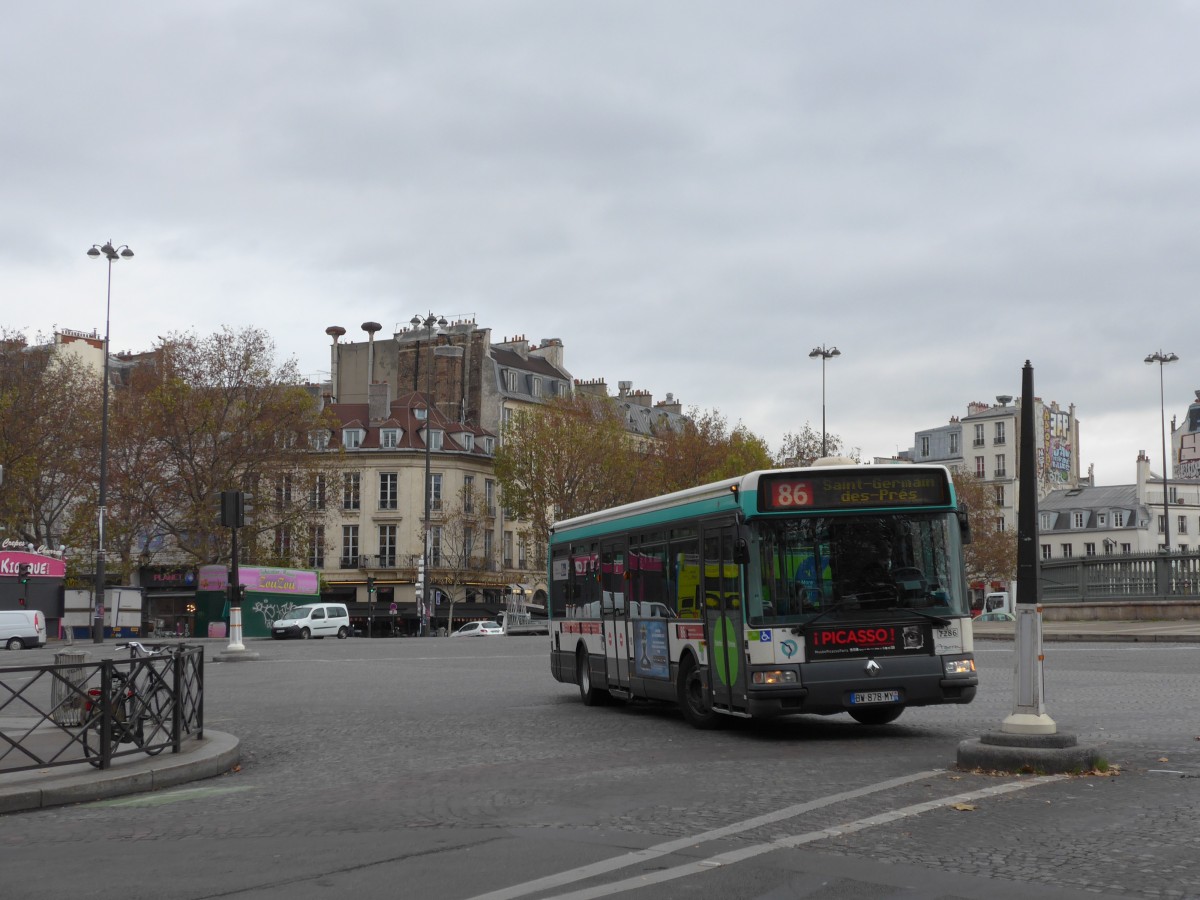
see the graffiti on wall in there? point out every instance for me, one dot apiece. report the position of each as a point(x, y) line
point(272, 612)
point(1056, 446)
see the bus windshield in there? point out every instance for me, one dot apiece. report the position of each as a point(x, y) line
point(847, 564)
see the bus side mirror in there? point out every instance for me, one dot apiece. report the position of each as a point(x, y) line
point(964, 523)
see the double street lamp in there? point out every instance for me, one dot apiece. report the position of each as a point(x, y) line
point(112, 254)
point(1162, 359)
point(825, 353)
point(428, 322)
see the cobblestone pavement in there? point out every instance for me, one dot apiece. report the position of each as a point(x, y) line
point(455, 768)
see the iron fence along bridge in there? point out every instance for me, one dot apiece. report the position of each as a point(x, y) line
point(76, 711)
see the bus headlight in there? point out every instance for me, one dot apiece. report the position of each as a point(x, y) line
point(960, 666)
point(774, 676)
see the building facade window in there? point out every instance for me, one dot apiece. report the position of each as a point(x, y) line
point(468, 493)
point(435, 438)
point(954, 443)
point(1089, 549)
point(1126, 548)
point(316, 547)
point(352, 438)
point(387, 546)
point(389, 438)
point(999, 433)
point(435, 545)
point(489, 496)
point(489, 541)
point(1162, 524)
point(508, 549)
point(316, 496)
point(283, 542)
point(389, 490)
point(1077, 520)
point(924, 445)
point(1119, 519)
point(1066, 550)
point(1102, 520)
point(1182, 529)
point(351, 495)
point(979, 435)
point(1000, 470)
point(980, 467)
point(349, 546)
point(1045, 551)
point(511, 379)
point(435, 490)
point(283, 492)
point(999, 493)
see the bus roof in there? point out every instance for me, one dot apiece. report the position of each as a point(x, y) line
point(741, 493)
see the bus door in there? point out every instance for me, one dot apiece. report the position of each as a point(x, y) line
point(613, 606)
point(723, 618)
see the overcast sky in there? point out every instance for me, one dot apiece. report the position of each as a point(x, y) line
point(691, 195)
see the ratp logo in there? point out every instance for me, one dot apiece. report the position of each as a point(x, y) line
point(789, 648)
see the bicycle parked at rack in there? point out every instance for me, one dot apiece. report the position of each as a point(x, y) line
point(142, 708)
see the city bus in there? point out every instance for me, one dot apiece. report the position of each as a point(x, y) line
point(827, 589)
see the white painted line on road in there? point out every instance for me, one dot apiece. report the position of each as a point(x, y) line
point(793, 841)
point(640, 856)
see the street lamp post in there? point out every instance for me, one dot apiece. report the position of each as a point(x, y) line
point(1162, 359)
point(112, 254)
point(824, 353)
point(429, 321)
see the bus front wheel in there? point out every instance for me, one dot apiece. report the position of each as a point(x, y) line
point(694, 698)
point(588, 693)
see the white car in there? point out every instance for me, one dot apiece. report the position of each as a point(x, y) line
point(480, 629)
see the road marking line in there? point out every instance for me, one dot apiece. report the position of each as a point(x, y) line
point(650, 853)
point(793, 841)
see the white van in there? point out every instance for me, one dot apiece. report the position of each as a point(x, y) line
point(313, 620)
point(20, 628)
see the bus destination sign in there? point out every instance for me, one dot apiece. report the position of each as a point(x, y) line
point(793, 492)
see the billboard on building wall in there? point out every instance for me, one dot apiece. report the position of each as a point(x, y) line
point(1187, 460)
point(266, 580)
point(1057, 447)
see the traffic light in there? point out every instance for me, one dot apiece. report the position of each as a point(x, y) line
point(370, 587)
point(233, 509)
point(23, 572)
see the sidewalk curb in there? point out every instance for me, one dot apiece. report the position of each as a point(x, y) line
point(216, 754)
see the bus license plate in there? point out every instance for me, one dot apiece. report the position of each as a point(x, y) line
point(859, 698)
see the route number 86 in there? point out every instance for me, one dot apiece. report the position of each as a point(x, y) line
point(792, 493)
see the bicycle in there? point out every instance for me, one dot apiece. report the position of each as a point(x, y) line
point(141, 710)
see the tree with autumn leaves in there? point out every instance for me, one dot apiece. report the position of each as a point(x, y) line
point(195, 416)
point(992, 553)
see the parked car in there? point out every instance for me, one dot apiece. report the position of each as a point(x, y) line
point(21, 628)
point(996, 617)
point(315, 620)
point(480, 629)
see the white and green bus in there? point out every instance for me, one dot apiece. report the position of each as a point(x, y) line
point(828, 589)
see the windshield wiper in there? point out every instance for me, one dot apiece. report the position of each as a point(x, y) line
point(939, 621)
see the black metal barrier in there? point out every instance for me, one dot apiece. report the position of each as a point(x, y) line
point(78, 710)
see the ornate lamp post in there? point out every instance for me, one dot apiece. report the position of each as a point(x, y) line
point(112, 254)
point(1162, 359)
point(824, 353)
point(428, 322)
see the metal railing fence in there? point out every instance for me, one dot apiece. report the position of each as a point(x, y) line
point(78, 710)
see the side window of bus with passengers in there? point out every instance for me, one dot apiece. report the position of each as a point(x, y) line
point(649, 584)
point(585, 584)
point(684, 559)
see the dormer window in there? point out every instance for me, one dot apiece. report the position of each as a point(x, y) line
point(535, 386)
point(510, 379)
point(467, 440)
point(420, 413)
point(318, 440)
point(352, 437)
point(489, 445)
point(435, 440)
point(389, 438)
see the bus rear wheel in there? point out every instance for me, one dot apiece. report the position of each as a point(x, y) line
point(588, 693)
point(694, 699)
point(879, 715)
